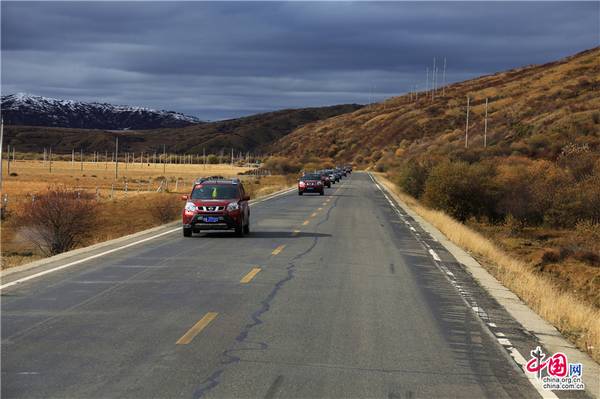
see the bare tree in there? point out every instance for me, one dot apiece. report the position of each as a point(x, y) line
point(58, 220)
point(165, 208)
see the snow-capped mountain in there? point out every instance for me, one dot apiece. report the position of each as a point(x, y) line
point(26, 109)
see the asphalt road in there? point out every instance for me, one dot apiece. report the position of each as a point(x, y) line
point(341, 301)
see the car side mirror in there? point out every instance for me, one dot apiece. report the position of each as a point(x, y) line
point(184, 197)
point(246, 198)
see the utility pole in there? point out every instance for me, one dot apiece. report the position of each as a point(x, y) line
point(8, 159)
point(433, 80)
point(50, 163)
point(81, 158)
point(467, 126)
point(164, 159)
point(426, 81)
point(72, 157)
point(444, 79)
point(116, 157)
point(485, 124)
point(204, 157)
point(232, 157)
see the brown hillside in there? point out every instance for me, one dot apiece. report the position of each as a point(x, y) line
point(533, 111)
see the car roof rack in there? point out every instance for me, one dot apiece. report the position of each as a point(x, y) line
point(217, 179)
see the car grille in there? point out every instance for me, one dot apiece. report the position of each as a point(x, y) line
point(211, 208)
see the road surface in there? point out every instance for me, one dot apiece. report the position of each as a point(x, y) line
point(329, 297)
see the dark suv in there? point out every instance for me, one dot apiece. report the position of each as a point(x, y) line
point(216, 204)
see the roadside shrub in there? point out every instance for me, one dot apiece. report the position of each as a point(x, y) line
point(527, 189)
point(578, 160)
point(412, 178)
point(165, 208)
point(551, 256)
point(14, 174)
point(590, 257)
point(282, 165)
point(212, 159)
point(58, 220)
point(575, 203)
point(461, 190)
point(588, 233)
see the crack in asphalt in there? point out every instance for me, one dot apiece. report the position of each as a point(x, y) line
point(229, 356)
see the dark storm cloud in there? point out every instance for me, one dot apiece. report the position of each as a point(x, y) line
point(218, 60)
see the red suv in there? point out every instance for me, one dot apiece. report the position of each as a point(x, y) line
point(216, 204)
point(311, 183)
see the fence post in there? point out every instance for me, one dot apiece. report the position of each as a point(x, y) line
point(112, 191)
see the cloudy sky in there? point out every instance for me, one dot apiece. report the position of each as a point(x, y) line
point(223, 60)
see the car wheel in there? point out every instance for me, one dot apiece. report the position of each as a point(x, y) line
point(239, 231)
point(299, 192)
point(187, 232)
point(322, 192)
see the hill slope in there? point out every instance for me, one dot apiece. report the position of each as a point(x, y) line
point(25, 109)
point(250, 133)
point(533, 111)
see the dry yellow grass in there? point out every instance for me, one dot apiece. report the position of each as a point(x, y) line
point(577, 321)
point(34, 176)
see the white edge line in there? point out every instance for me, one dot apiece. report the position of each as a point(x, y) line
point(435, 255)
point(520, 360)
point(21, 280)
point(66, 265)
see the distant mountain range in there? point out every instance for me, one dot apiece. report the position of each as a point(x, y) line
point(251, 133)
point(30, 110)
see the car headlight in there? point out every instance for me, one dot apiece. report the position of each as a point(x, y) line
point(190, 207)
point(233, 206)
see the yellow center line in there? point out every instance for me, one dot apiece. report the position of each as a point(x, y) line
point(305, 223)
point(248, 277)
point(295, 233)
point(195, 330)
point(278, 250)
point(313, 214)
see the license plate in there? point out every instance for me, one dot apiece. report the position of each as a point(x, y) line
point(211, 219)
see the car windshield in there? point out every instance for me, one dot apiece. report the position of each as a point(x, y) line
point(215, 191)
point(311, 177)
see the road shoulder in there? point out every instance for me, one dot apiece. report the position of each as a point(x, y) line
point(547, 335)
